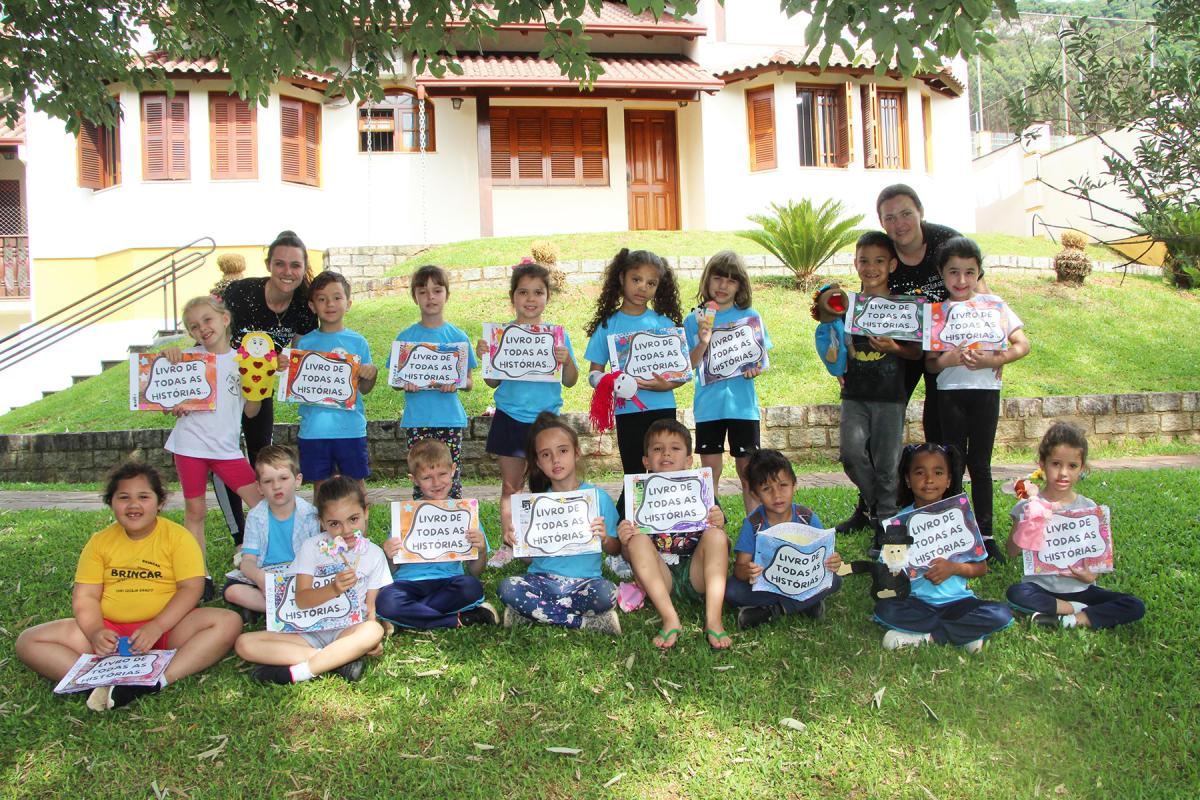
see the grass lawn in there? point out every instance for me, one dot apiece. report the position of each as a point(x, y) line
point(579, 246)
point(1114, 355)
point(470, 713)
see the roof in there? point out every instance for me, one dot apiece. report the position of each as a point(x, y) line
point(620, 72)
point(617, 18)
point(208, 65)
point(942, 81)
point(14, 134)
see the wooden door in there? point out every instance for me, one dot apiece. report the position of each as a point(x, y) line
point(652, 170)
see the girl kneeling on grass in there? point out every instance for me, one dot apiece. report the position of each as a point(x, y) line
point(140, 578)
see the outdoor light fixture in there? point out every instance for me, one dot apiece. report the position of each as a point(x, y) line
point(456, 102)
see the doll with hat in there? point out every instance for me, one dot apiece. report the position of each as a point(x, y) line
point(888, 578)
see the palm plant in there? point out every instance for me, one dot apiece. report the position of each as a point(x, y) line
point(804, 236)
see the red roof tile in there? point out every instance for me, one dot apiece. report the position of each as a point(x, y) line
point(943, 80)
point(207, 65)
point(620, 72)
point(617, 18)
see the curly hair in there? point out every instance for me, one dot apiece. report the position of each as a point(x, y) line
point(666, 298)
point(1063, 433)
point(954, 461)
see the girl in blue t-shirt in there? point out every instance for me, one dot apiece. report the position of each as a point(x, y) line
point(633, 281)
point(730, 406)
point(518, 403)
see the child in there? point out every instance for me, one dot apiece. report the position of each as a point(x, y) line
point(274, 529)
point(668, 448)
point(562, 590)
point(632, 281)
point(333, 441)
point(728, 406)
point(873, 398)
point(426, 596)
point(940, 608)
point(295, 657)
point(210, 441)
point(139, 578)
point(519, 402)
point(435, 413)
point(1061, 600)
point(773, 482)
point(969, 382)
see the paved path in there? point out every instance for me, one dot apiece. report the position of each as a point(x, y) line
point(88, 501)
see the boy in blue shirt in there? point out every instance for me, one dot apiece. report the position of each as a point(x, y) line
point(333, 441)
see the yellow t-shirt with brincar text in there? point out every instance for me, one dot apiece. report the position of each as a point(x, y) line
point(139, 577)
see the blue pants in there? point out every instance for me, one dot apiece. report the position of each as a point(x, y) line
point(739, 595)
point(1105, 609)
point(956, 623)
point(557, 600)
point(433, 603)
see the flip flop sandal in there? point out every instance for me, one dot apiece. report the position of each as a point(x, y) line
point(718, 637)
point(665, 635)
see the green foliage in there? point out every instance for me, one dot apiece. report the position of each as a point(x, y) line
point(804, 236)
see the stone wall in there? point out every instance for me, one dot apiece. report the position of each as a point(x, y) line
point(797, 430)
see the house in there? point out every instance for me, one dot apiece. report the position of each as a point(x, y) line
point(695, 123)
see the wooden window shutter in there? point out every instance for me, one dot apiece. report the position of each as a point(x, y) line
point(845, 126)
point(561, 145)
point(178, 166)
point(593, 136)
point(527, 144)
point(870, 103)
point(91, 156)
point(293, 148)
point(760, 111)
point(154, 137)
point(233, 137)
point(501, 146)
point(311, 113)
point(927, 130)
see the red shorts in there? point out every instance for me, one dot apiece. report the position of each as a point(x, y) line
point(127, 629)
point(193, 473)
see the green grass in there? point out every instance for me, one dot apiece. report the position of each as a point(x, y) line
point(1101, 338)
point(1054, 714)
point(581, 246)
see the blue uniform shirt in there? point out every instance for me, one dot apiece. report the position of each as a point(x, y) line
point(734, 398)
point(323, 422)
point(618, 323)
point(524, 400)
point(583, 566)
point(433, 409)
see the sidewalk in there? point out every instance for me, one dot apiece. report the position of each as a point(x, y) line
point(88, 501)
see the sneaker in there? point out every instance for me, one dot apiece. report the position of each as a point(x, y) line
point(816, 610)
point(894, 640)
point(973, 647)
point(994, 553)
point(1044, 620)
point(513, 618)
point(210, 590)
point(619, 567)
point(105, 698)
point(351, 672)
point(857, 521)
point(249, 616)
point(500, 557)
point(271, 673)
point(602, 623)
point(482, 614)
point(753, 616)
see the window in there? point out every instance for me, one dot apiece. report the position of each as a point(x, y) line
point(165, 137)
point(549, 146)
point(393, 126)
point(823, 124)
point(885, 128)
point(927, 130)
point(99, 156)
point(233, 137)
point(760, 114)
point(300, 139)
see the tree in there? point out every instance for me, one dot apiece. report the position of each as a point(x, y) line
point(62, 55)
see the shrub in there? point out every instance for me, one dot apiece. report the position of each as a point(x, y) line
point(804, 236)
point(1072, 264)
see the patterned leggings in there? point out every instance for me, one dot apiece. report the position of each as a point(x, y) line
point(453, 439)
point(556, 600)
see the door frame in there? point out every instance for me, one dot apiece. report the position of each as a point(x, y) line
point(674, 121)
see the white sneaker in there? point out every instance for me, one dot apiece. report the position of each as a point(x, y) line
point(973, 647)
point(894, 640)
point(619, 567)
point(608, 622)
point(514, 618)
point(99, 700)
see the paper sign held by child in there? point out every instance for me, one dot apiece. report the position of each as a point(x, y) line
point(522, 352)
point(669, 502)
point(733, 349)
point(1074, 539)
point(424, 364)
point(155, 384)
point(899, 317)
point(792, 556)
point(945, 529)
point(315, 378)
point(971, 324)
point(92, 670)
point(645, 354)
point(432, 531)
point(284, 616)
point(555, 523)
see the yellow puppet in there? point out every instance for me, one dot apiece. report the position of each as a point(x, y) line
point(257, 362)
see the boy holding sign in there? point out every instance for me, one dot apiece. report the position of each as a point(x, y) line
point(773, 482)
point(435, 595)
point(1073, 600)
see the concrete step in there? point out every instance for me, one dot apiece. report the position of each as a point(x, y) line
point(77, 379)
point(47, 392)
point(108, 364)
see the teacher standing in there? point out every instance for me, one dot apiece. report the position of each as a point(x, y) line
point(278, 306)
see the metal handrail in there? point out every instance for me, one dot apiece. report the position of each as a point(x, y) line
point(126, 290)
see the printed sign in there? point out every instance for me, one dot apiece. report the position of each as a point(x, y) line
point(284, 616)
point(793, 556)
point(431, 531)
point(1074, 539)
point(644, 354)
point(425, 363)
point(315, 378)
point(555, 523)
point(733, 349)
point(945, 529)
point(92, 670)
point(522, 352)
point(155, 384)
point(971, 324)
point(669, 502)
point(900, 317)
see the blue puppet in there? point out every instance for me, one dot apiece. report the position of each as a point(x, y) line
point(828, 309)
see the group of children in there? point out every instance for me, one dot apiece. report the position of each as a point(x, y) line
point(142, 574)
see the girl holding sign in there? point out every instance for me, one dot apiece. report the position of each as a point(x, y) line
point(139, 579)
point(1074, 600)
point(727, 407)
